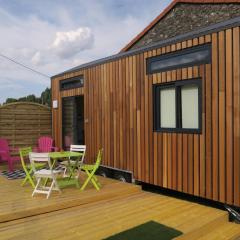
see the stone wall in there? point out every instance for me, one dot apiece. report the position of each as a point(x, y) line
point(185, 17)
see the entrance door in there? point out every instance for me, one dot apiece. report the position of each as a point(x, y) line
point(72, 121)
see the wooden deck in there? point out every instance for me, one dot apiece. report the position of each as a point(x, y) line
point(16, 201)
point(96, 215)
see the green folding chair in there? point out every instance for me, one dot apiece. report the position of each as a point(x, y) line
point(24, 153)
point(90, 171)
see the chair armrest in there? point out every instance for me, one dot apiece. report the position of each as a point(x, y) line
point(54, 149)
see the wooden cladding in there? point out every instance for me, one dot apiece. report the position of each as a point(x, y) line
point(23, 123)
point(118, 110)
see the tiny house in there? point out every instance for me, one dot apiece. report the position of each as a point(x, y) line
point(167, 107)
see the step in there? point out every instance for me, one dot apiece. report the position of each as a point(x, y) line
point(225, 231)
point(116, 190)
point(216, 229)
point(208, 224)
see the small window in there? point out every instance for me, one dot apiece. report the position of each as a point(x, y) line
point(179, 59)
point(177, 106)
point(71, 83)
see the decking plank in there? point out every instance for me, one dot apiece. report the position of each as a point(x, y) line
point(98, 214)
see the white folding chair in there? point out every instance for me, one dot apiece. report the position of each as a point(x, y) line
point(74, 148)
point(42, 174)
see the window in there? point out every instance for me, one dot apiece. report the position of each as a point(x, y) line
point(168, 107)
point(184, 58)
point(177, 106)
point(189, 99)
point(71, 83)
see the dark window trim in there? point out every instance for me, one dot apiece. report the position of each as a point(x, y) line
point(157, 107)
point(178, 53)
point(78, 79)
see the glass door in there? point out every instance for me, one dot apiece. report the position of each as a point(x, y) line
point(72, 121)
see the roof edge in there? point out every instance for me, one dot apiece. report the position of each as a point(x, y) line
point(234, 22)
point(164, 13)
point(149, 26)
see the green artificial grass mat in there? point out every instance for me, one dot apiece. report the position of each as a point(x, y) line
point(148, 231)
point(66, 182)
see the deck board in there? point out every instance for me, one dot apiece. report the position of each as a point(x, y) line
point(16, 201)
point(97, 215)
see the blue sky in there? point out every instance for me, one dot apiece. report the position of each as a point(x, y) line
point(53, 36)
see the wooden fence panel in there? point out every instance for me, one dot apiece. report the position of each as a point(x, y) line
point(22, 123)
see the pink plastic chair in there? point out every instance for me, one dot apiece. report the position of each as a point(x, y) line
point(45, 144)
point(5, 154)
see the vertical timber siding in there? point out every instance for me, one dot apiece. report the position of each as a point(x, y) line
point(118, 117)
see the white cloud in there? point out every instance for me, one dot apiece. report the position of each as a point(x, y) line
point(54, 41)
point(36, 59)
point(68, 44)
point(40, 59)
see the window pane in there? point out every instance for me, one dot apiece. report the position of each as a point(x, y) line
point(189, 106)
point(168, 108)
point(182, 58)
point(70, 83)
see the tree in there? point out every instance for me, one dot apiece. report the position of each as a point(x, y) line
point(45, 98)
point(31, 98)
point(11, 100)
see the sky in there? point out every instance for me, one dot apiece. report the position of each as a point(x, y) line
point(53, 36)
